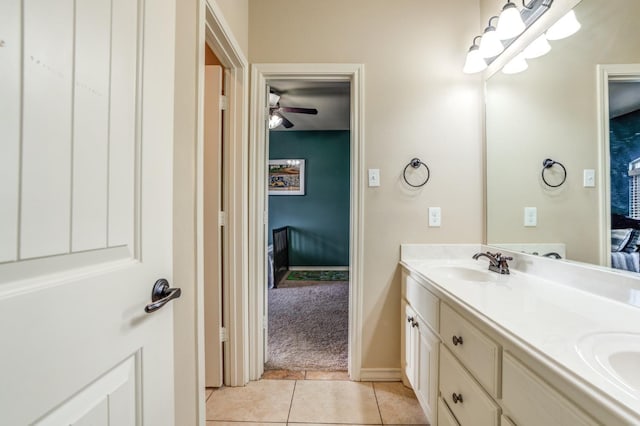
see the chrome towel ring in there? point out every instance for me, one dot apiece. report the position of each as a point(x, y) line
point(416, 164)
point(547, 164)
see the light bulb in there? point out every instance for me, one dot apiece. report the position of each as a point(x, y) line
point(516, 65)
point(490, 44)
point(566, 26)
point(537, 48)
point(510, 24)
point(474, 62)
point(274, 121)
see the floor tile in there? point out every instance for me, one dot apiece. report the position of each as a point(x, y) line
point(207, 393)
point(317, 401)
point(283, 375)
point(215, 423)
point(261, 401)
point(398, 404)
point(327, 375)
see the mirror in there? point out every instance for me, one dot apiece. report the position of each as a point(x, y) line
point(551, 111)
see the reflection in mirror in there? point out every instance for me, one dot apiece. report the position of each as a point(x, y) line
point(551, 111)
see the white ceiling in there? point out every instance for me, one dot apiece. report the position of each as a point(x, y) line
point(624, 97)
point(330, 98)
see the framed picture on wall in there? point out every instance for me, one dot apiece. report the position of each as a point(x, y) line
point(286, 177)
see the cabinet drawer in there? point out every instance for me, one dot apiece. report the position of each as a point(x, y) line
point(477, 352)
point(423, 301)
point(530, 401)
point(445, 418)
point(476, 407)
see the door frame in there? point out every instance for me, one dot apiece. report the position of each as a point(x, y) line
point(258, 220)
point(606, 72)
point(219, 37)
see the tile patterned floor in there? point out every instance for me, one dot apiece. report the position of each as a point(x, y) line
point(320, 400)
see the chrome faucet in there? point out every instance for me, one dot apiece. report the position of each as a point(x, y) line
point(497, 262)
point(552, 254)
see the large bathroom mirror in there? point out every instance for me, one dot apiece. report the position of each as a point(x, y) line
point(552, 111)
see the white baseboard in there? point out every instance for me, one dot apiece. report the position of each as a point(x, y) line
point(380, 374)
point(318, 268)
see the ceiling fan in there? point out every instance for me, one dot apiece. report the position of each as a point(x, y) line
point(275, 112)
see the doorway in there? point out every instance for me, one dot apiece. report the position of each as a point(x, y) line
point(307, 293)
point(619, 90)
point(258, 228)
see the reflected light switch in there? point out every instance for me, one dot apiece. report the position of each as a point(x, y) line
point(530, 216)
point(374, 177)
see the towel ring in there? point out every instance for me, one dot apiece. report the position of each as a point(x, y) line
point(547, 164)
point(416, 163)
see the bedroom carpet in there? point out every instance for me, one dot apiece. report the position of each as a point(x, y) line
point(308, 324)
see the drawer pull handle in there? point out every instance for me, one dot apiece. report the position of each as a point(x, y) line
point(457, 341)
point(415, 324)
point(409, 319)
point(457, 397)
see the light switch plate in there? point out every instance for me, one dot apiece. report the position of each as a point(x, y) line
point(589, 178)
point(435, 217)
point(530, 216)
point(374, 177)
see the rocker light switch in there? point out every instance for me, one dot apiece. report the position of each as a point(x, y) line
point(589, 178)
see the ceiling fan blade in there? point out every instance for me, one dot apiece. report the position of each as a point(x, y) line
point(286, 123)
point(299, 110)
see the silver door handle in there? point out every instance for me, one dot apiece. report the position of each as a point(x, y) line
point(161, 294)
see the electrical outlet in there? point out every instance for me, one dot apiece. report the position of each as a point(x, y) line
point(374, 177)
point(435, 216)
point(530, 216)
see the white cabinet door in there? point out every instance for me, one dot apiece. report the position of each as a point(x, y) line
point(86, 113)
point(427, 369)
point(410, 344)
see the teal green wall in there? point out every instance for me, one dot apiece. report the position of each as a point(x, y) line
point(318, 220)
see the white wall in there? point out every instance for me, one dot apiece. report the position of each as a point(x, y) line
point(418, 103)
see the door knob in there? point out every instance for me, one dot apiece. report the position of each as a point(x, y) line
point(161, 294)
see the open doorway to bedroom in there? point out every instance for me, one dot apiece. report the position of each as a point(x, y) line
point(308, 228)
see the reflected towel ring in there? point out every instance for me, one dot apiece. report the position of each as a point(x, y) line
point(416, 163)
point(547, 164)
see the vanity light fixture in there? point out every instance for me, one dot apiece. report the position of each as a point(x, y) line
point(510, 23)
point(566, 26)
point(490, 44)
point(537, 48)
point(474, 62)
point(516, 65)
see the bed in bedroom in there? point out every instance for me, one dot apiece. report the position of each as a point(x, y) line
point(625, 243)
point(279, 256)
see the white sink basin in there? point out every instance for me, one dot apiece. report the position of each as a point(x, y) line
point(616, 357)
point(462, 273)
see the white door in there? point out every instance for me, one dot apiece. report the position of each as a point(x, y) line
point(212, 236)
point(86, 113)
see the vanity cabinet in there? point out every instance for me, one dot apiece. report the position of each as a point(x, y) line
point(466, 373)
point(420, 344)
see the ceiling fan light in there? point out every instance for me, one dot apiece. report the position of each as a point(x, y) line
point(566, 26)
point(537, 48)
point(490, 44)
point(274, 121)
point(510, 24)
point(474, 62)
point(273, 99)
point(516, 65)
